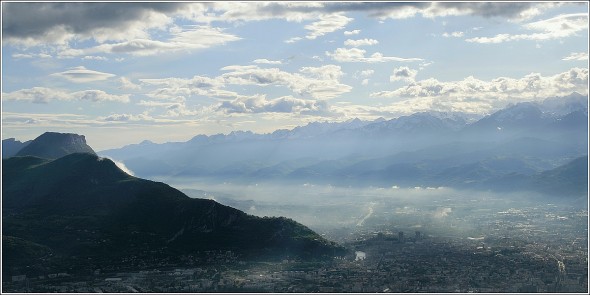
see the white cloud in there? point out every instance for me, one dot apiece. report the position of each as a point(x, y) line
point(456, 34)
point(45, 120)
point(202, 37)
point(353, 32)
point(513, 11)
point(45, 95)
point(194, 38)
point(258, 11)
point(128, 85)
point(22, 55)
point(558, 27)
point(365, 82)
point(293, 40)
point(327, 24)
point(301, 11)
point(358, 55)
point(364, 73)
point(477, 96)
point(122, 166)
point(30, 55)
point(259, 104)
point(126, 118)
point(83, 75)
point(36, 95)
point(317, 82)
point(178, 89)
point(360, 42)
point(94, 57)
point(576, 56)
point(268, 62)
point(403, 74)
point(442, 212)
point(99, 96)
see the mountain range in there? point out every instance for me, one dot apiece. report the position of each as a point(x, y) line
point(422, 149)
point(81, 211)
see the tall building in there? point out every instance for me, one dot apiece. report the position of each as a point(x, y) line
point(400, 236)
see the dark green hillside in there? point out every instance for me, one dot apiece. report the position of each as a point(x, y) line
point(18, 251)
point(52, 145)
point(83, 206)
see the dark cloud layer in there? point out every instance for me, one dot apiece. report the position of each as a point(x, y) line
point(34, 20)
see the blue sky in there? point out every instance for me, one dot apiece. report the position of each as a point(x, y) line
point(120, 73)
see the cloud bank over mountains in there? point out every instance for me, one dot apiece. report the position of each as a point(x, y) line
point(263, 66)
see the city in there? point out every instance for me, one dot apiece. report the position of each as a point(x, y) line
point(536, 248)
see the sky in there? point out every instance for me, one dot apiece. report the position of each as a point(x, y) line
point(121, 73)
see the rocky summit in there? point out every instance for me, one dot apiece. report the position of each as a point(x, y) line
point(53, 145)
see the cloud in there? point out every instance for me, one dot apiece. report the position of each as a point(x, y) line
point(99, 96)
point(442, 212)
point(126, 118)
point(383, 10)
point(31, 24)
point(171, 110)
point(561, 26)
point(353, 32)
point(472, 95)
point(285, 104)
point(83, 75)
point(293, 40)
point(45, 95)
point(576, 56)
point(128, 85)
point(199, 37)
point(45, 120)
point(403, 74)
point(456, 34)
point(119, 164)
point(94, 57)
point(300, 11)
point(178, 88)
point(361, 42)
point(317, 82)
point(358, 55)
point(363, 73)
point(36, 95)
point(30, 55)
point(268, 62)
point(122, 166)
point(258, 11)
point(327, 24)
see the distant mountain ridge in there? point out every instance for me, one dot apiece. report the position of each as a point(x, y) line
point(427, 148)
point(11, 146)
